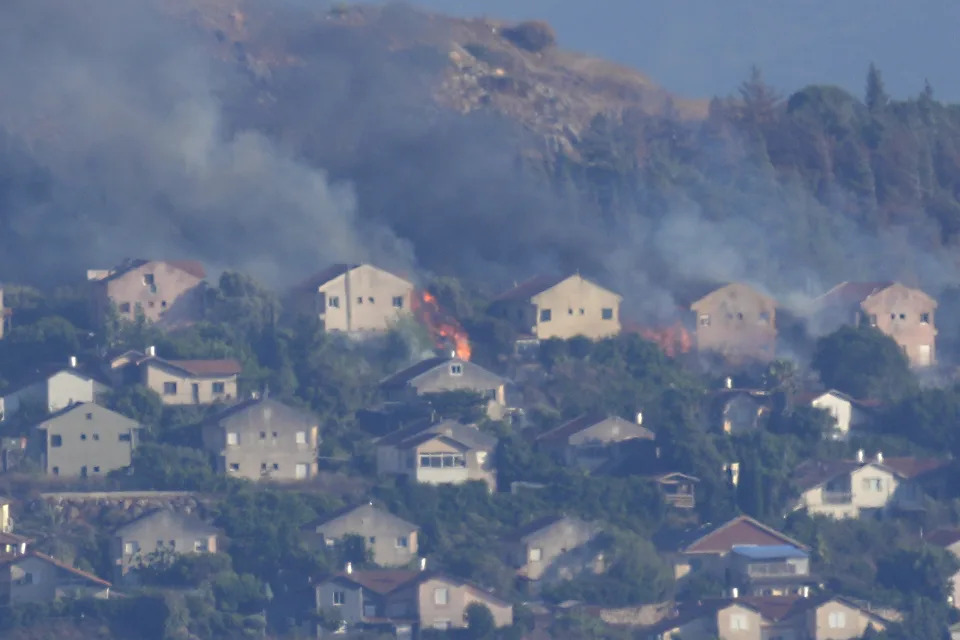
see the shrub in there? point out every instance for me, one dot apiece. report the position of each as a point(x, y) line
point(533, 35)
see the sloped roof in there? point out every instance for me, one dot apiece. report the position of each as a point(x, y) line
point(13, 559)
point(852, 293)
point(530, 287)
point(911, 467)
point(188, 523)
point(364, 510)
point(193, 267)
point(943, 537)
point(742, 530)
point(326, 275)
point(467, 435)
point(812, 473)
point(721, 287)
point(381, 581)
point(13, 539)
point(537, 525)
point(200, 368)
point(85, 407)
point(47, 371)
point(405, 376)
point(584, 422)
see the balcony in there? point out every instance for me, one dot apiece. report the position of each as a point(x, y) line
point(837, 497)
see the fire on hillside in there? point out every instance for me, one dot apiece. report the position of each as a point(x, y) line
point(444, 329)
point(673, 340)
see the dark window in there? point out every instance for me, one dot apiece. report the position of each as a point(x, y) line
point(56, 440)
point(219, 387)
point(89, 416)
point(56, 471)
point(96, 469)
point(903, 316)
point(96, 436)
point(544, 315)
point(263, 435)
point(124, 307)
point(333, 302)
point(398, 302)
point(163, 304)
point(124, 437)
point(570, 312)
point(606, 314)
point(370, 300)
point(373, 540)
point(148, 279)
point(263, 466)
point(150, 304)
point(456, 369)
point(925, 317)
point(359, 299)
point(873, 320)
point(234, 466)
point(169, 388)
point(83, 436)
point(276, 467)
point(704, 319)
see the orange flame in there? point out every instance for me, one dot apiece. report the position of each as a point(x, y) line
point(443, 328)
point(672, 340)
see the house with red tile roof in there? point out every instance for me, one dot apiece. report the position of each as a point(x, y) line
point(166, 292)
point(851, 488)
point(904, 313)
point(546, 307)
point(37, 578)
point(196, 382)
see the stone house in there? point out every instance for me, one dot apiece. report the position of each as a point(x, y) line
point(391, 539)
point(261, 438)
point(355, 298)
point(196, 382)
point(446, 452)
point(167, 292)
point(438, 375)
point(737, 323)
point(903, 313)
point(83, 440)
point(853, 488)
point(589, 441)
point(52, 388)
point(36, 578)
point(545, 307)
point(157, 533)
point(555, 548)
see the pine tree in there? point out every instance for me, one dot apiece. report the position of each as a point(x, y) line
point(876, 97)
point(759, 98)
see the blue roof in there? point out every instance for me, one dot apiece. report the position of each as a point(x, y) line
point(768, 552)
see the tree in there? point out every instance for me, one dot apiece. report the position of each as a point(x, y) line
point(480, 622)
point(864, 363)
point(759, 99)
point(876, 97)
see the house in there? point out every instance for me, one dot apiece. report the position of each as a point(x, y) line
point(760, 618)
point(709, 548)
point(847, 413)
point(391, 539)
point(355, 298)
point(545, 307)
point(948, 539)
point(196, 382)
point(678, 489)
point(4, 314)
point(262, 438)
point(446, 452)
point(167, 292)
point(851, 488)
point(555, 548)
point(85, 439)
point(769, 570)
point(51, 388)
point(36, 578)
point(441, 374)
point(404, 600)
point(161, 531)
point(736, 322)
point(739, 411)
point(903, 313)
point(589, 441)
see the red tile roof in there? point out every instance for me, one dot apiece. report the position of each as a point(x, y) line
point(910, 467)
point(12, 559)
point(380, 581)
point(812, 473)
point(742, 530)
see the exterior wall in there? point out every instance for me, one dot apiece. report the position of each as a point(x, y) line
point(839, 409)
point(65, 388)
point(47, 582)
point(175, 298)
point(6, 524)
point(561, 551)
point(955, 589)
point(728, 616)
point(148, 541)
point(471, 378)
point(155, 375)
point(459, 597)
point(860, 494)
point(737, 323)
point(576, 309)
point(898, 312)
point(366, 300)
point(608, 431)
point(855, 622)
point(387, 552)
point(90, 442)
point(351, 611)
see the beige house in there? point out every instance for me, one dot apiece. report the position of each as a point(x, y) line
point(443, 453)
point(85, 440)
point(555, 548)
point(548, 307)
point(166, 292)
point(39, 579)
point(148, 538)
point(53, 388)
point(392, 540)
point(903, 313)
point(191, 381)
point(736, 322)
point(589, 441)
point(355, 298)
point(851, 488)
point(765, 618)
point(443, 602)
point(438, 375)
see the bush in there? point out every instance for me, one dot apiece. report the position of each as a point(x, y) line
point(533, 35)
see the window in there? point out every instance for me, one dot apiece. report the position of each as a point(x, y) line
point(56, 471)
point(96, 469)
point(442, 460)
point(263, 466)
point(159, 544)
point(25, 580)
point(903, 316)
point(535, 554)
point(199, 545)
point(739, 316)
point(339, 597)
point(89, 416)
point(150, 304)
point(370, 300)
point(570, 311)
point(56, 440)
point(276, 467)
point(739, 622)
point(441, 596)
point(273, 436)
point(893, 316)
point(124, 307)
point(873, 484)
point(359, 299)
point(837, 620)
point(233, 438)
point(925, 317)
point(401, 542)
point(124, 437)
point(163, 304)
point(131, 548)
point(300, 471)
point(456, 369)
point(173, 544)
point(234, 466)
point(441, 625)
point(333, 302)
point(581, 311)
point(263, 435)
point(219, 387)
point(96, 436)
point(544, 315)
point(148, 279)
point(873, 319)
point(169, 388)
point(301, 437)
point(372, 539)
point(398, 302)
point(83, 436)
point(704, 319)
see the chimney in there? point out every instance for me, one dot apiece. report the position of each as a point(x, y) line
point(453, 353)
point(639, 417)
point(73, 362)
point(728, 383)
point(880, 457)
point(656, 453)
point(151, 351)
point(859, 455)
point(734, 593)
point(806, 591)
point(423, 564)
point(349, 568)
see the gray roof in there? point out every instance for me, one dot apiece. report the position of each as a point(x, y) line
point(82, 414)
point(259, 412)
point(473, 374)
point(469, 436)
point(165, 519)
point(372, 517)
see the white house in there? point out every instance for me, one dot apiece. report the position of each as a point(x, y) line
point(51, 389)
point(847, 413)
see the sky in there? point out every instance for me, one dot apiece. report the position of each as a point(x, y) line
point(701, 48)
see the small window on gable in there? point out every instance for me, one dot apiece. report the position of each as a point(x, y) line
point(545, 315)
point(456, 369)
point(148, 279)
point(925, 317)
point(398, 302)
point(301, 437)
point(233, 438)
point(56, 440)
point(535, 554)
point(359, 299)
point(124, 307)
point(333, 302)
point(370, 299)
point(704, 319)
point(339, 598)
point(606, 314)
point(89, 416)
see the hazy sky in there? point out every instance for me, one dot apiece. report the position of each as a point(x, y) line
point(705, 47)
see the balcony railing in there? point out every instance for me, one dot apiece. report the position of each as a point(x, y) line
point(837, 497)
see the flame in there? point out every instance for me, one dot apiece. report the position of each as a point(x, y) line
point(672, 340)
point(444, 329)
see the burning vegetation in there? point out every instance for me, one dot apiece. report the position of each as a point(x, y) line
point(673, 340)
point(444, 329)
